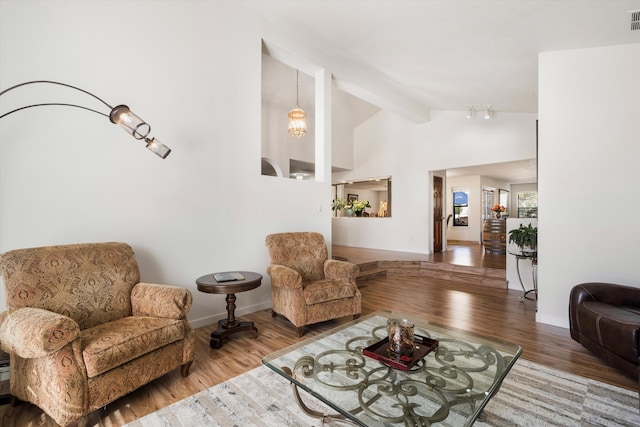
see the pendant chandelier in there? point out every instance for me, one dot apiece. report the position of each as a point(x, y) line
point(297, 117)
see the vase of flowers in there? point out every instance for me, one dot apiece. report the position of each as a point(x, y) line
point(359, 206)
point(498, 209)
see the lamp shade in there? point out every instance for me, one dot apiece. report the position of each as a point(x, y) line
point(157, 147)
point(126, 119)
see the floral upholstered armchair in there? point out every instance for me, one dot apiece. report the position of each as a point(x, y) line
point(306, 286)
point(82, 331)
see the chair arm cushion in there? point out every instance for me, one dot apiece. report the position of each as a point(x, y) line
point(284, 277)
point(171, 302)
point(33, 332)
point(335, 269)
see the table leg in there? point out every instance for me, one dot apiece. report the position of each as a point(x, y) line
point(526, 292)
point(230, 325)
point(325, 418)
point(231, 310)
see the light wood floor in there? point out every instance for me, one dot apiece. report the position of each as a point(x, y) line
point(487, 311)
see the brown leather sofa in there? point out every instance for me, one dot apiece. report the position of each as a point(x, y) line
point(605, 319)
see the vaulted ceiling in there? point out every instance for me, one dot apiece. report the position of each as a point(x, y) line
point(448, 54)
point(445, 55)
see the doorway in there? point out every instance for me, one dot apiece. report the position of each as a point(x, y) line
point(437, 214)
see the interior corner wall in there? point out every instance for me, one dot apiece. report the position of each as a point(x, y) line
point(589, 147)
point(70, 176)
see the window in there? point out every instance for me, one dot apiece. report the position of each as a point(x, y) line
point(528, 205)
point(460, 208)
point(487, 203)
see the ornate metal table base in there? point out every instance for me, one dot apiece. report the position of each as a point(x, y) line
point(324, 418)
point(452, 383)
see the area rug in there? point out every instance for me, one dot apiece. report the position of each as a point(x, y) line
point(531, 395)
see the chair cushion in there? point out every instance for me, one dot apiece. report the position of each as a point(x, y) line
point(304, 252)
point(616, 328)
point(327, 290)
point(112, 344)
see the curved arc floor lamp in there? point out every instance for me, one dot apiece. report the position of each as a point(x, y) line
point(120, 115)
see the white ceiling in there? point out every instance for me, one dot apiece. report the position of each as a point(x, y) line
point(446, 54)
point(449, 54)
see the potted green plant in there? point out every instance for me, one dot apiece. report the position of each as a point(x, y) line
point(525, 237)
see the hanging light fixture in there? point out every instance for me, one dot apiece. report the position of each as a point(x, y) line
point(297, 117)
point(488, 113)
point(470, 112)
point(480, 108)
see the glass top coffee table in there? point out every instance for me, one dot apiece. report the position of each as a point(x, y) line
point(451, 384)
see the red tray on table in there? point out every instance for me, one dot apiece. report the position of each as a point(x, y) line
point(380, 351)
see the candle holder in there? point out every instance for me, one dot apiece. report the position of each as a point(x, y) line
point(400, 332)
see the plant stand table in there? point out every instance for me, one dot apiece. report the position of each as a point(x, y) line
point(533, 256)
point(230, 325)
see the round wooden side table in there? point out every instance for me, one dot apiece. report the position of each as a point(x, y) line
point(230, 325)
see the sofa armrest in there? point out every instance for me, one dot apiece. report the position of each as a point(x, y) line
point(336, 269)
point(609, 293)
point(606, 292)
point(284, 277)
point(33, 332)
point(150, 299)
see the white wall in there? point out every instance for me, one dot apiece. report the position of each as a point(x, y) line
point(390, 145)
point(589, 146)
point(192, 70)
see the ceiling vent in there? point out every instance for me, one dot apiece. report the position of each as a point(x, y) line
point(635, 20)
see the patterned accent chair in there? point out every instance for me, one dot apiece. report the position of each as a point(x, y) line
point(82, 331)
point(306, 286)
